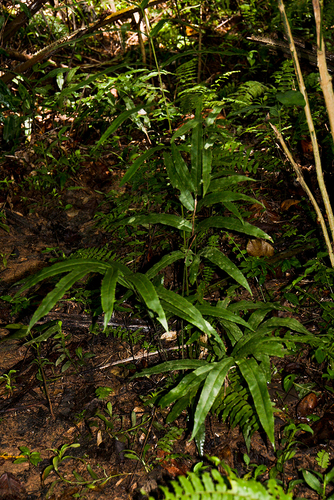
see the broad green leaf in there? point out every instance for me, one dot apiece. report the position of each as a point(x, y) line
point(56, 328)
point(257, 384)
point(138, 162)
point(181, 307)
point(218, 312)
point(178, 181)
point(194, 268)
point(231, 207)
point(108, 289)
point(225, 196)
point(199, 439)
point(219, 259)
point(186, 385)
point(184, 129)
point(182, 168)
point(234, 333)
point(117, 123)
point(225, 182)
point(207, 164)
point(170, 366)
point(246, 305)
point(166, 261)
point(149, 294)
point(155, 30)
point(232, 225)
point(289, 323)
point(196, 151)
point(166, 219)
point(213, 383)
point(258, 316)
point(291, 98)
point(256, 344)
point(210, 119)
point(90, 266)
point(182, 403)
point(312, 481)
point(56, 294)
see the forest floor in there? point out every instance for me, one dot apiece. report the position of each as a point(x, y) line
point(74, 422)
point(76, 411)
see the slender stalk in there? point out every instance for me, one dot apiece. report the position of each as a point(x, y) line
point(307, 190)
point(325, 78)
point(158, 69)
point(309, 119)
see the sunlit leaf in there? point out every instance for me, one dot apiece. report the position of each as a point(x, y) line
point(148, 292)
point(257, 384)
point(225, 182)
point(232, 225)
point(166, 219)
point(220, 260)
point(206, 167)
point(179, 306)
point(169, 366)
point(186, 384)
point(138, 162)
point(213, 383)
point(218, 312)
point(108, 289)
point(166, 261)
point(56, 294)
point(196, 151)
point(221, 197)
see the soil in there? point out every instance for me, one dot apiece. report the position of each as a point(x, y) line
point(67, 409)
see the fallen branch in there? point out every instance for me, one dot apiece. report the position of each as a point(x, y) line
point(72, 37)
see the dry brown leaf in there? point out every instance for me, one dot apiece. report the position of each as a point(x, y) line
point(260, 248)
point(286, 204)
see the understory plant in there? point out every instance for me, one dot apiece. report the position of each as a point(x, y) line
point(215, 486)
point(241, 343)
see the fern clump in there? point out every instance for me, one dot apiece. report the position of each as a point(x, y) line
point(214, 486)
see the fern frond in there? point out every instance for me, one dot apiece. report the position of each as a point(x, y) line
point(285, 77)
point(214, 486)
point(97, 253)
point(234, 405)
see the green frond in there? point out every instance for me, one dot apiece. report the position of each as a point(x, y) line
point(97, 253)
point(214, 486)
point(234, 405)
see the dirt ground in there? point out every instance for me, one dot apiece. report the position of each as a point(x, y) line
point(73, 411)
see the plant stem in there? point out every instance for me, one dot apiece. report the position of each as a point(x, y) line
point(302, 182)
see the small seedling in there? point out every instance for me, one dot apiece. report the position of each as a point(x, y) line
point(34, 457)
point(103, 392)
point(9, 379)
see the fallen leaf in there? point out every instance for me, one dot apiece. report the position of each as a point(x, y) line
point(286, 204)
point(306, 405)
point(11, 488)
point(260, 248)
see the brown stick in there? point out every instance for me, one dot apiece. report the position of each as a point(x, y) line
point(53, 47)
point(22, 19)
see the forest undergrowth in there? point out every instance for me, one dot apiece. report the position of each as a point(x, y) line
point(149, 157)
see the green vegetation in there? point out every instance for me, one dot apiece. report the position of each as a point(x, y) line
point(180, 144)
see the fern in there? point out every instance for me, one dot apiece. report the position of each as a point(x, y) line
point(285, 77)
point(166, 443)
point(189, 93)
point(233, 405)
point(236, 157)
point(248, 93)
point(213, 486)
point(97, 253)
